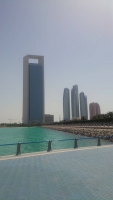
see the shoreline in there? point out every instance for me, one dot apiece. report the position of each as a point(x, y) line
point(83, 130)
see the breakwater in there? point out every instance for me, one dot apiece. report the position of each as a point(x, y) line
point(95, 131)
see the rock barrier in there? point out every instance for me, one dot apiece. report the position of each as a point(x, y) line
point(104, 132)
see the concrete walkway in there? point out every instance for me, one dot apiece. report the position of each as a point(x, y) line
point(80, 174)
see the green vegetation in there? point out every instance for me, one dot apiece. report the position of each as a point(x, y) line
point(102, 119)
point(19, 125)
point(107, 116)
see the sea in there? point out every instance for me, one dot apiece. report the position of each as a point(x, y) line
point(9, 137)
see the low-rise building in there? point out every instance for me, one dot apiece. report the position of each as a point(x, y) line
point(49, 119)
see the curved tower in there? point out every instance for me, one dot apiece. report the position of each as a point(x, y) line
point(66, 104)
point(75, 102)
point(83, 105)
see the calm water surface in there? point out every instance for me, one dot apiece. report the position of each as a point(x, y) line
point(15, 135)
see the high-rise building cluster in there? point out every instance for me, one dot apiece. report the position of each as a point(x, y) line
point(79, 107)
point(33, 96)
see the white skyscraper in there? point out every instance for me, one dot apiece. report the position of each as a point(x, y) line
point(75, 102)
point(83, 105)
point(66, 104)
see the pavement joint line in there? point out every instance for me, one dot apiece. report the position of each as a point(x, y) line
point(42, 153)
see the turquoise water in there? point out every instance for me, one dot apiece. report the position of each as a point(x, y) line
point(15, 135)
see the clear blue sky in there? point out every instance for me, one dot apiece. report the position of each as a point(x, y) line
point(76, 39)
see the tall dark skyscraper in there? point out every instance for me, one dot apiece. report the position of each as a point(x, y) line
point(66, 104)
point(33, 90)
point(75, 102)
point(83, 105)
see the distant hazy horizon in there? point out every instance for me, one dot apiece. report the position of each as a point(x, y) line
point(76, 39)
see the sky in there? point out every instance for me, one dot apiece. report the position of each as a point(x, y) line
point(76, 39)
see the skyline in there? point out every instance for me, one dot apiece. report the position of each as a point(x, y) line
point(76, 39)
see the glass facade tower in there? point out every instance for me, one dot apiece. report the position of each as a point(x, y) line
point(33, 90)
point(75, 102)
point(66, 104)
point(83, 105)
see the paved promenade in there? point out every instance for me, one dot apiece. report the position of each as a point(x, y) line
point(73, 174)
